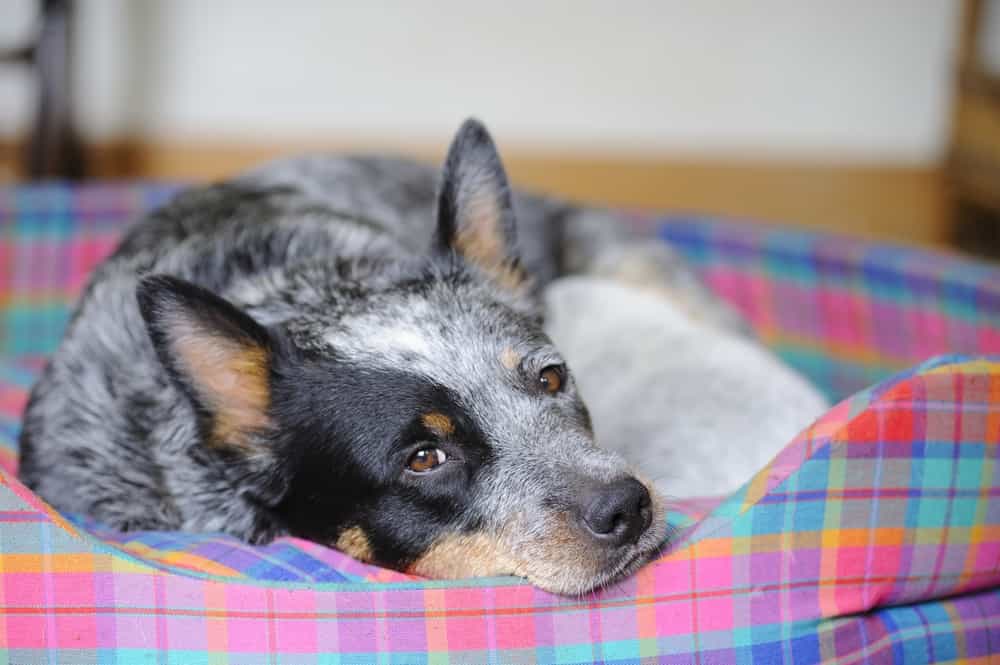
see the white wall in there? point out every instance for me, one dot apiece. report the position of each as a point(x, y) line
point(849, 79)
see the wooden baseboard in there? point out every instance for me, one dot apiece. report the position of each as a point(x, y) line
point(892, 202)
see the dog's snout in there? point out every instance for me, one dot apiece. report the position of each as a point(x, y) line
point(617, 513)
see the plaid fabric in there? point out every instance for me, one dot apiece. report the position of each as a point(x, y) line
point(844, 312)
point(875, 536)
point(51, 236)
point(841, 551)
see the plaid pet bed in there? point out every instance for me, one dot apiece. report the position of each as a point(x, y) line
point(874, 536)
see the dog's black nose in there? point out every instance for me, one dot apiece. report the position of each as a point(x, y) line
point(617, 513)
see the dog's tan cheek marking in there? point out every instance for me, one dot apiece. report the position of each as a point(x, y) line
point(438, 423)
point(354, 542)
point(463, 555)
point(510, 358)
point(560, 561)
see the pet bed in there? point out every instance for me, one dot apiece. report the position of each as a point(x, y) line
point(874, 535)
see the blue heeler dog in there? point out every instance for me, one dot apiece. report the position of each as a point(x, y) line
point(349, 350)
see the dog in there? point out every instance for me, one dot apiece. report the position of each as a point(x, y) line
point(352, 351)
point(700, 407)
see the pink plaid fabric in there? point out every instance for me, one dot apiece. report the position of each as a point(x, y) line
point(873, 537)
point(887, 504)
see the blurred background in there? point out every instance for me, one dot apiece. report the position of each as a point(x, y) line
point(874, 118)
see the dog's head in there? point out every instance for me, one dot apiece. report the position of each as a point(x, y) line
point(418, 418)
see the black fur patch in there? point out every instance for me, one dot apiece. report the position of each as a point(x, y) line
point(346, 432)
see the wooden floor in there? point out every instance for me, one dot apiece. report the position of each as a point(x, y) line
point(891, 202)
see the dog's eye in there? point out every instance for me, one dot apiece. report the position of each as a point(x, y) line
point(551, 378)
point(426, 459)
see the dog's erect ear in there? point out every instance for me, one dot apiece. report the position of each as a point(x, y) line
point(475, 215)
point(219, 356)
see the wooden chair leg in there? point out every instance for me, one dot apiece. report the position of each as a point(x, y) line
point(54, 149)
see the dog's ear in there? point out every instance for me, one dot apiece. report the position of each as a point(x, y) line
point(218, 355)
point(475, 214)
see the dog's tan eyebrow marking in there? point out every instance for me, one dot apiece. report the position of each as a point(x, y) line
point(510, 358)
point(354, 542)
point(438, 423)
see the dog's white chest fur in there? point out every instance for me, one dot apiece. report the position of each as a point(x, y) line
point(696, 409)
